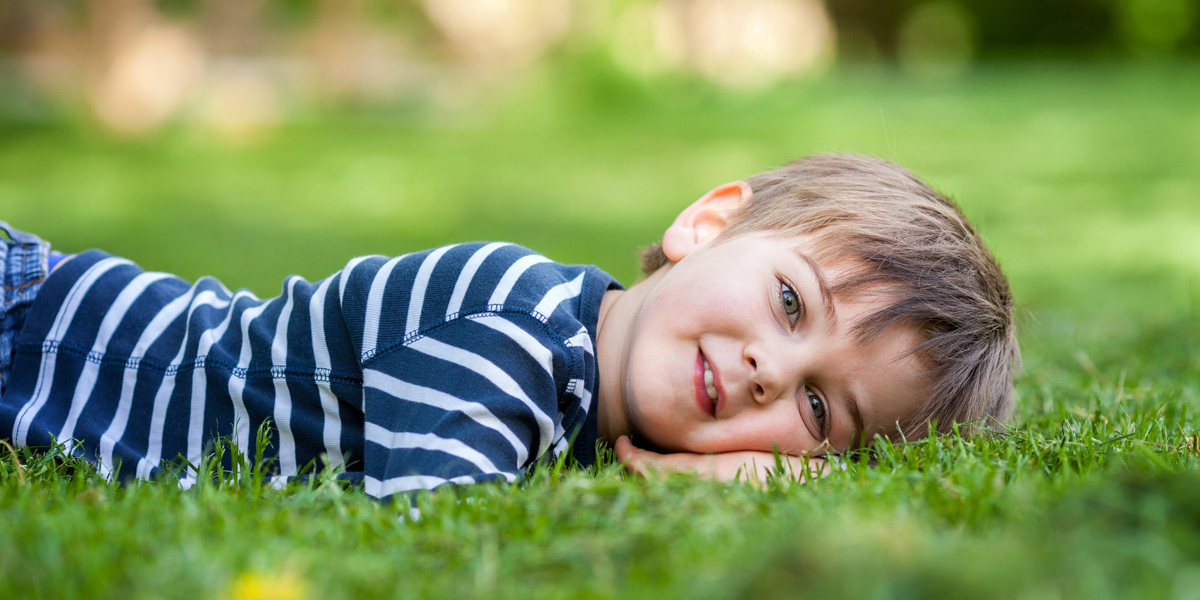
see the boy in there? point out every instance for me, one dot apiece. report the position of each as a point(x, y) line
point(806, 309)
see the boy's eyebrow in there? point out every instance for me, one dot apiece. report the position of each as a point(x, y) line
point(822, 285)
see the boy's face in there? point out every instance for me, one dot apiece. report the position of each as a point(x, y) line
point(786, 370)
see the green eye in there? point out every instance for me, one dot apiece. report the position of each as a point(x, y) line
point(818, 409)
point(791, 303)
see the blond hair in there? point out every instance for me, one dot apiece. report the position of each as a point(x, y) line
point(894, 237)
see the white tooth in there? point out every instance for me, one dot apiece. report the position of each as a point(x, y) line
point(709, 385)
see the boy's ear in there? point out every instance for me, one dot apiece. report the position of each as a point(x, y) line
point(703, 219)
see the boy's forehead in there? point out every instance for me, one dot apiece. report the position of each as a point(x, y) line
point(842, 282)
point(828, 272)
point(802, 247)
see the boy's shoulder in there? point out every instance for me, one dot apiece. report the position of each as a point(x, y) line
point(433, 287)
point(473, 274)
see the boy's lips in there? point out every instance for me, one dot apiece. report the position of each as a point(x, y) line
point(710, 402)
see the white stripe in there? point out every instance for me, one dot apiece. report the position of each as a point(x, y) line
point(407, 440)
point(237, 385)
point(120, 420)
point(582, 339)
point(558, 294)
point(494, 374)
point(378, 489)
point(374, 308)
point(116, 311)
point(512, 274)
point(345, 275)
point(477, 412)
point(162, 397)
point(331, 434)
point(576, 387)
point(91, 369)
point(199, 399)
point(585, 399)
point(416, 299)
point(75, 296)
point(283, 396)
point(468, 274)
point(540, 353)
point(62, 320)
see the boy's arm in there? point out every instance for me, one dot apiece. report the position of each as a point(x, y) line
point(463, 403)
point(464, 380)
point(753, 467)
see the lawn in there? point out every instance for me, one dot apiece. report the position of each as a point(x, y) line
point(1082, 178)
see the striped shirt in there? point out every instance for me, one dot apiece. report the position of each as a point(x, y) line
point(462, 364)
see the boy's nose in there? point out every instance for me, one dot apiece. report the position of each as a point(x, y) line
point(766, 377)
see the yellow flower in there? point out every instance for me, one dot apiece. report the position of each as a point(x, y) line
point(259, 586)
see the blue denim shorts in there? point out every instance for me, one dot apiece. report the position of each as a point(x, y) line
point(25, 261)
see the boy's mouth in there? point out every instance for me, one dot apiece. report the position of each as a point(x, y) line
point(707, 395)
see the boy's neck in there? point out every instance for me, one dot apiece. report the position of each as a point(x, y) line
point(614, 332)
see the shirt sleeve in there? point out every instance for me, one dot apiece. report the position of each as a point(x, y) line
point(473, 399)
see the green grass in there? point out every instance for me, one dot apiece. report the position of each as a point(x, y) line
point(1082, 179)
